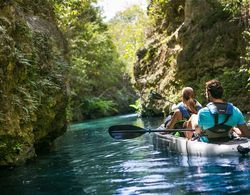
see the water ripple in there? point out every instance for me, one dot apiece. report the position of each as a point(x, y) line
point(86, 160)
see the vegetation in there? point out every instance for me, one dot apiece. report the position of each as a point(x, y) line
point(41, 64)
point(128, 31)
point(97, 74)
point(33, 78)
point(189, 49)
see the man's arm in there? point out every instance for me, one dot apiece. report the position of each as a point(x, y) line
point(244, 130)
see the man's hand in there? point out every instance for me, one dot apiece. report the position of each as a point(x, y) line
point(242, 130)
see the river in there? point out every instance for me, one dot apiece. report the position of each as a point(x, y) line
point(86, 160)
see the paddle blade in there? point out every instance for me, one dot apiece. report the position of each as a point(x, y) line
point(155, 95)
point(125, 131)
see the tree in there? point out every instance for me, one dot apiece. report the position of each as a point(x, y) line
point(96, 70)
point(128, 32)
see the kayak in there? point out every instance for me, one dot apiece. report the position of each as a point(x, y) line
point(239, 146)
point(172, 143)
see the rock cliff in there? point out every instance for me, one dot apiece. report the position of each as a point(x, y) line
point(33, 83)
point(192, 42)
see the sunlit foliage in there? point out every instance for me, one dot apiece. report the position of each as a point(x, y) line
point(95, 66)
point(128, 31)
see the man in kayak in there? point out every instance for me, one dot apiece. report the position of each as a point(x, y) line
point(184, 109)
point(218, 118)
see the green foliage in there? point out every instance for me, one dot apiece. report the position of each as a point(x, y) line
point(95, 64)
point(128, 32)
point(211, 46)
point(29, 77)
point(137, 106)
point(17, 147)
point(162, 10)
point(156, 10)
point(239, 79)
point(246, 58)
point(10, 145)
point(32, 75)
point(233, 6)
point(34, 83)
point(97, 107)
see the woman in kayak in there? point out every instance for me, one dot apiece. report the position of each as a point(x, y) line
point(184, 110)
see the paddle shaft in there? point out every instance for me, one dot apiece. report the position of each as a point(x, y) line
point(150, 130)
point(131, 131)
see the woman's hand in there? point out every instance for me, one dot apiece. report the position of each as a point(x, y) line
point(185, 124)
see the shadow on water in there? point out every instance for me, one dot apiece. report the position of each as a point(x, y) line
point(86, 160)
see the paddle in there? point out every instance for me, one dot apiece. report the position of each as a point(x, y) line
point(131, 131)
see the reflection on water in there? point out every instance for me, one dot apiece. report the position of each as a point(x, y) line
point(86, 160)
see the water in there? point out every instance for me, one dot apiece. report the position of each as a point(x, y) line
point(86, 160)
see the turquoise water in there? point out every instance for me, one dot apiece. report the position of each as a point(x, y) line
point(86, 160)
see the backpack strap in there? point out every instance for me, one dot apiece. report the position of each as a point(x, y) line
point(198, 105)
point(226, 119)
point(220, 108)
point(216, 118)
point(184, 111)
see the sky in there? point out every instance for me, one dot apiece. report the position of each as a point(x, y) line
point(111, 7)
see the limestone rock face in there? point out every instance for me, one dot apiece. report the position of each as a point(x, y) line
point(33, 81)
point(191, 43)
